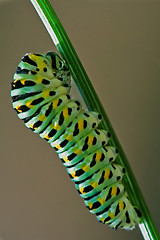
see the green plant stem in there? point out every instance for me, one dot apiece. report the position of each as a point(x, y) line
point(64, 46)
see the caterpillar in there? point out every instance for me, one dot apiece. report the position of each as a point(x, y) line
point(40, 94)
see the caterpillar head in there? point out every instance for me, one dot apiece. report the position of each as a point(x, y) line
point(57, 62)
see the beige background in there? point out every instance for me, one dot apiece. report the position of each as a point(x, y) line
point(119, 45)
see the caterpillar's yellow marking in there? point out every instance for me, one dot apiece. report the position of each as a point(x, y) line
point(114, 191)
point(41, 64)
point(42, 118)
point(31, 125)
point(65, 113)
point(14, 82)
point(78, 151)
point(45, 94)
point(39, 79)
point(73, 174)
point(94, 184)
point(23, 81)
point(55, 103)
point(18, 108)
point(65, 159)
point(81, 189)
point(47, 137)
point(58, 146)
point(33, 56)
point(28, 104)
point(86, 168)
point(69, 137)
point(107, 172)
point(111, 215)
point(101, 200)
point(56, 127)
point(90, 205)
point(81, 124)
point(121, 205)
point(102, 219)
point(90, 140)
point(98, 156)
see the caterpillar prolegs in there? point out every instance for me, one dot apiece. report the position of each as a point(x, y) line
point(40, 94)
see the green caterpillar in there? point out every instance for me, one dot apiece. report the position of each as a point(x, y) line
point(40, 94)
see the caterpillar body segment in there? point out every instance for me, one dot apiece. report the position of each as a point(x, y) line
point(41, 97)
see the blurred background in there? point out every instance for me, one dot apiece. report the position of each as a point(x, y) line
point(118, 44)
